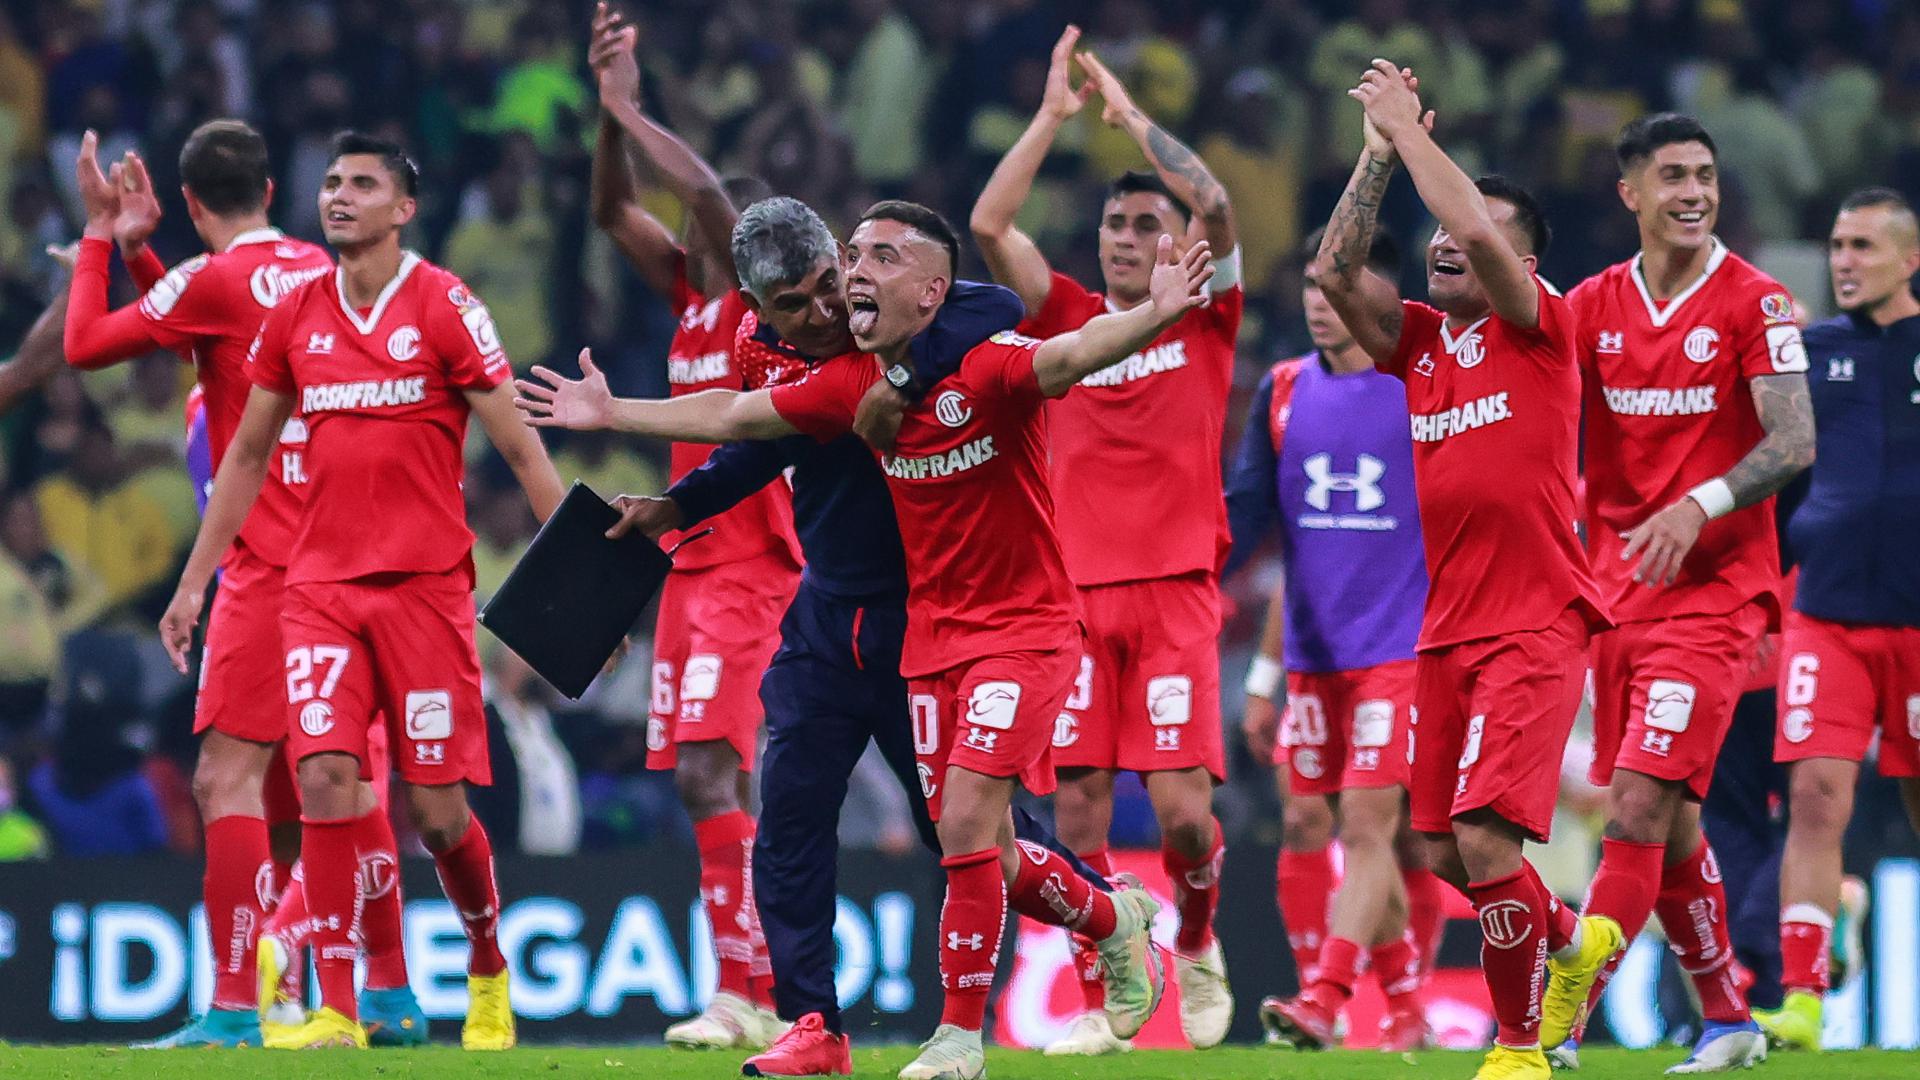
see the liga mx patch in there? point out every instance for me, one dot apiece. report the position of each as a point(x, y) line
point(1670, 705)
point(429, 715)
point(1169, 700)
point(993, 705)
point(1373, 723)
point(701, 679)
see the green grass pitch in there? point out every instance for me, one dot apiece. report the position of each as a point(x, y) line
point(652, 1063)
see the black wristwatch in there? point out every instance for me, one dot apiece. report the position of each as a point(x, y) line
point(901, 376)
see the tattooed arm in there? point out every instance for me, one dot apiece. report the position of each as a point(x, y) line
point(1368, 304)
point(1785, 407)
point(1179, 167)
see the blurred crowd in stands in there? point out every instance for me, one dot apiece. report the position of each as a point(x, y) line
point(838, 102)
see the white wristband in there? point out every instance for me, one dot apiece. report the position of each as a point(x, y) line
point(1263, 677)
point(1715, 497)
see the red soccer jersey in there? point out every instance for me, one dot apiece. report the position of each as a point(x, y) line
point(701, 358)
point(209, 308)
point(381, 396)
point(968, 476)
point(1668, 407)
point(1136, 446)
point(1494, 410)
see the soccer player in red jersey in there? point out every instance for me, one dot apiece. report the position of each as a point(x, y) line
point(720, 609)
point(991, 651)
point(1697, 412)
point(1136, 453)
point(384, 358)
point(1494, 394)
point(209, 309)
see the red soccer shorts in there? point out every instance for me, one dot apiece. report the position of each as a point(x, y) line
point(242, 666)
point(1664, 691)
point(399, 644)
point(994, 716)
point(1490, 722)
point(717, 630)
point(1347, 729)
point(1838, 682)
point(1148, 693)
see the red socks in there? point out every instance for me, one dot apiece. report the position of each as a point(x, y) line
point(971, 920)
point(466, 874)
point(1046, 889)
point(725, 841)
point(1626, 884)
point(1426, 913)
point(1693, 909)
point(1398, 965)
point(1086, 959)
point(1513, 951)
point(1196, 892)
point(1561, 921)
point(333, 896)
point(1339, 965)
point(238, 874)
point(1305, 894)
point(380, 923)
point(1806, 936)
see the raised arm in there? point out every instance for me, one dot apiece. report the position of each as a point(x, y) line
point(38, 358)
point(520, 445)
point(1011, 255)
point(1368, 304)
point(550, 399)
point(1178, 286)
point(235, 487)
point(1449, 193)
point(1179, 167)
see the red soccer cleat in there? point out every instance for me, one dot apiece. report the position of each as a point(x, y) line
point(807, 1049)
point(1404, 1031)
point(1304, 1021)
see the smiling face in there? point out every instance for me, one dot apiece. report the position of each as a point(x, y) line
point(809, 314)
point(1675, 194)
point(897, 278)
point(1131, 226)
point(1452, 286)
point(1872, 255)
point(362, 202)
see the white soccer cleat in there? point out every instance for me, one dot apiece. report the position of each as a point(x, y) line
point(1206, 1003)
point(1724, 1048)
point(1088, 1036)
point(1565, 1057)
point(770, 1027)
point(1131, 971)
point(954, 1053)
point(730, 1023)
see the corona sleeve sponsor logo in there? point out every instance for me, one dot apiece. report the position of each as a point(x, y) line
point(166, 293)
point(271, 283)
point(940, 466)
point(1785, 349)
point(363, 394)
point(1478, 413)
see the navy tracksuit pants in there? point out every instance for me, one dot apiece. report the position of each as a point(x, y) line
point(834, 684)
point(1747, 837)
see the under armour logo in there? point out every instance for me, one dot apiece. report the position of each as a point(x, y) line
point(975, 942)
point(982, 739)
point(1364, 482)
point(1166, 738)
point(1840, 369)
point(320, 343)
point(1611, 341)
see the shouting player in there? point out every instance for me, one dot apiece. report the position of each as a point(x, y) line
point(1135, 452)
point(209, 309)
point(1494, 393)
point(720, 608)
point(1326, 457)
point(1850, 658)
point(991, 635)
point(1696, 414)
point(385, 358)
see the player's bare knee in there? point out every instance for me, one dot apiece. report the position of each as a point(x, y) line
point(1368, 819)
point(1306, 824)
point(327, 786)
point(439, 814)
point(1490, 846)
point(1641, 808)
point(708, 785)
point(1821, 800)
point(1442, 855)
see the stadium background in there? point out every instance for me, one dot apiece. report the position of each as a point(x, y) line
point(837, 103)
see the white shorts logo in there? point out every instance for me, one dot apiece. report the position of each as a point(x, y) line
point(1913, 715)
point(316, 718)
point(1306, 762)
point(404, 344)
point(1658, 743)
point(1797, 725)
point(1169, 700)
point(993, 705)
point(429, 715)
point(927, 786)
point(1470, 752)
point(701, 679)
point(1670, 705)
point(1373, 723)
point(656, 734)
point(1066, 730)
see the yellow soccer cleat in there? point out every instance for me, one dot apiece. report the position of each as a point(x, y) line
point(325, 1028)
point(1795, 1025)
point(1564, 1006)
point(489, 1023)
point(1506, 1063)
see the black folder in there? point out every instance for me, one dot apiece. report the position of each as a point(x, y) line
point(570, 600)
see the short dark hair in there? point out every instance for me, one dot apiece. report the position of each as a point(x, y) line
point(1640, 138)
point(1383, 255)
point(1526, 211)
point(1142, 180)
point(224, 164)
point(925, 219)
point(391, 155)
point(1876, 196)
